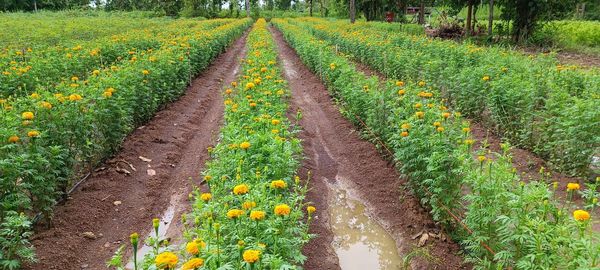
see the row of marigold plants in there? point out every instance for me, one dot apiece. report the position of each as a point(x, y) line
point(508, 223)
point(532, 102)
point(251, 212)
point(49, 138)
point(24, 71)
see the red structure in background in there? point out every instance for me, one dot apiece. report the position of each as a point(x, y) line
point(389, 16)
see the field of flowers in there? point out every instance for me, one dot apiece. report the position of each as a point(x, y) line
point(66, 107)
point(533, 103)
point(254, 215)
point(501, 221)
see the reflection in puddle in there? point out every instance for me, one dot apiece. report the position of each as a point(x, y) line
point(165, 222)
point(360, 243)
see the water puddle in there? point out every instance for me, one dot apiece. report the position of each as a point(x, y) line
point(360, 242)
point(165, 223)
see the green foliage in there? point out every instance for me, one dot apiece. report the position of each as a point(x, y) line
point(74, 124)
point(531, 102)
point(524, 224)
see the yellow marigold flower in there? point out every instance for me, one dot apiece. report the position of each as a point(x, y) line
point(234, 84)
point(278, 184)
point(228, 102)
point(332, 66)
point(469, 141)
point(33, 134)
point(573, 186)
point(207, 178)
point(46, 105)
point(581, 215)
point(96, 72)
point(418, 106)
point(249, 85)
point(192, 248)
point(248, 205)
point(74, 78)
point(166, 260)
point(75, 97)
point(282, 210)
point(419, 114)
point(107, 94)
point(401, 92)
point(234, 213)
point(275, 122)
point(504, 69)
point(440, 129)
point(193, 264)
point(251, 256)
point(257, 215)
point(486, 78)
point(280, 92)
point(228, 91)
point(27, 116)
point(421, 83)
point(264, 69)
point(405, 126)
point(310, 209)
point(35, 95)
point(206, 197)
point(74, 85)
point(404, 134)
point(13, 139)
point(145, 72)
point(466, 130)
point(240, 189)
point(245, 145)
point(481, 158)
point(437, 124)
point(399, 83)
point(110, 89)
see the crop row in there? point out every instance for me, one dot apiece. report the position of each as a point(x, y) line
point(510, 223)
point(530, 102)
point(253, 216)
point(27, 71)
point(48, 138)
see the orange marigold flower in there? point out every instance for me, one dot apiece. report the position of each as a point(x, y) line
point(240, 189)
point(401, 92)
point(166, 260)
point(257, 215)
point(581, 215)
point(573, 186)
point(249, 85)
point(27, 116)
point(192, 248)
point(251, 256)
point(13, 139)
point(206, 197)
point(193, 264)
point(278, 184)
point(282, 210)
point(404, 134)
point(234, 213)
point(245, 145)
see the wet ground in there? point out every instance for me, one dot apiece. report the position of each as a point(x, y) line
point(109, 206)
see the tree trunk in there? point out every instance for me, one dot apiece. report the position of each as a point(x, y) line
point(247, 8)
point(352, 12)
point(310, 3)
point(469, 17)
point(422, 12)
point(321, 8)
point(491, 18)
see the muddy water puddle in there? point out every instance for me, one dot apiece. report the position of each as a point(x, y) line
point(359, 241)
point(165, 223)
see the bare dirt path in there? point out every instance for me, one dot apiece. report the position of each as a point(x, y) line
point(111, 205)
point(337, 156)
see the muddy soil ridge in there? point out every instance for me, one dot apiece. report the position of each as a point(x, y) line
point(336, 155)
point(168, 154)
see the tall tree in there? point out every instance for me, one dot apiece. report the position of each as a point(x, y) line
point(352, 11)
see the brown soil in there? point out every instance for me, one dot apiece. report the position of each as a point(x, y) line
point(333, 147)
point(568, 58)
point(175, 140)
